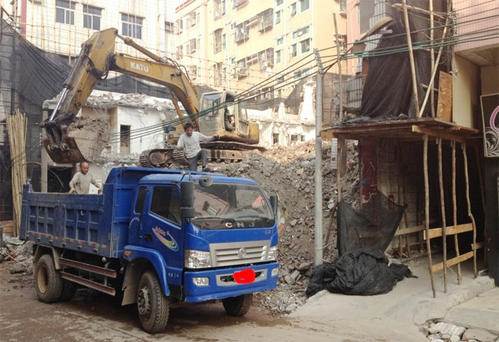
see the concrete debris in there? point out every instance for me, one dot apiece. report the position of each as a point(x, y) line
point(448, 332)
point(106, 100)
point(289, 172)
point(20, 253)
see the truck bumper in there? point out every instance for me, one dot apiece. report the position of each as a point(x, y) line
point(201, 286)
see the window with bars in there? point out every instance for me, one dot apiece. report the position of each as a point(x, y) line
point(217, 47)
point(169, 27)
point(91, 17)
point(65, 12)
point(131, 25)
point(305, 45)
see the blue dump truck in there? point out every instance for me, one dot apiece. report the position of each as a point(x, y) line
point(155, 237)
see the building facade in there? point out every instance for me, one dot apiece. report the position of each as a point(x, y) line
point(61, 26)
point(237, 44)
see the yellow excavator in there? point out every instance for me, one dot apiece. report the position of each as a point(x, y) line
point(214, 113)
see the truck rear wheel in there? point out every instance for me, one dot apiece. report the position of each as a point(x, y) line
point(237, 306)
point(48, 282)
point(152, 306)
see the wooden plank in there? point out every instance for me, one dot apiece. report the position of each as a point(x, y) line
point(460, 228)
point(440, 134)
point(451, 262)
point(8, 227)
point(409, 230)
point(468, 202)
point(411, 57)
point(444, 103)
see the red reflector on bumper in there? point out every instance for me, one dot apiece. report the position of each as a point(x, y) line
point(245, 276)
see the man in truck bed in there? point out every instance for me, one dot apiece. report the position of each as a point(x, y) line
point(80, 183)
point(189, 142)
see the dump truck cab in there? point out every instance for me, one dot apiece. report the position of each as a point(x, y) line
point(156, 236)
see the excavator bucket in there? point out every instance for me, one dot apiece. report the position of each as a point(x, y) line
point(67, 152)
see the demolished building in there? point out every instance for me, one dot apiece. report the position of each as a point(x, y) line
point(423, 127)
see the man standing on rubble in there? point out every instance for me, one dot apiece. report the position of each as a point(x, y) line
point(189, 142)
point(80, 183)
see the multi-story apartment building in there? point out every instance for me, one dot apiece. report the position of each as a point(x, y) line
point(60, 26)
point(236, 44)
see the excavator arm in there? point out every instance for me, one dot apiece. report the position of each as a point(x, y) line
point(96, 59)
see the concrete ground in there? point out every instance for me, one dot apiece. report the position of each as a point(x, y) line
point(395, 316)
point(480, 312)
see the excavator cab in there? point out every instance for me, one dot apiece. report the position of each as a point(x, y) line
point(221, 115)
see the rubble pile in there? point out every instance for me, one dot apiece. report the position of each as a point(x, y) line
point(448, 332)
point(289, 172)
point(13, 249)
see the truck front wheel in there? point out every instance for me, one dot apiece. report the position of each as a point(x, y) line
point(237, 306)
point(48, 282)
point(153, 307)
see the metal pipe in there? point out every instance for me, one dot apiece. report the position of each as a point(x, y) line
point(61, 98)
point(318, 243)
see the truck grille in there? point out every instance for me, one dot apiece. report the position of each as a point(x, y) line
point(239, 253)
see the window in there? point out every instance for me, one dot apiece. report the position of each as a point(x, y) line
point(280, 40)
point(169, 27)
point(275, 138)
point(65, 12)
point(180, 52)
point(165, 203)
point(131, 25)
point(139, 205)
point(304, 5)
point(224, 41)
point(293, 9)
point(192, 19)
point(191, 46)
point(279, 2)
point(278, 17)
point(278, 56)
point(124, 139)
point(294, 50)
point(91, 17)
point(217, 47)
point(219, 9)
point(180, 26)
point(305, 45)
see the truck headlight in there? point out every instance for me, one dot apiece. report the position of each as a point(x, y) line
point(197, 259)
point(272, 254)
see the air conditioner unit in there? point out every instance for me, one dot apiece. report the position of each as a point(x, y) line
point(242, 72)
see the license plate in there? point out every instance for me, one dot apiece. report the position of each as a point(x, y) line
point(246, 276)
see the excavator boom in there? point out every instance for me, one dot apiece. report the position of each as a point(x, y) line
point(96, 59)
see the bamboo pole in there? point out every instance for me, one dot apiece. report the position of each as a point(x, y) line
point(468, 201)
point(411, 56)
point(427, 211)
point(442, 211)
point(16, 126)
point(432, 55)
point(454, 210)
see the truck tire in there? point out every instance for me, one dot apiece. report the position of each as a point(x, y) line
point(237, 306)
point(152, 306)
point(48, 282)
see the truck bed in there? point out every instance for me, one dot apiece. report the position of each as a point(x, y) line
point(96, 224)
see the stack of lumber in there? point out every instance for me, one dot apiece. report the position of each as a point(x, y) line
point(16, 126)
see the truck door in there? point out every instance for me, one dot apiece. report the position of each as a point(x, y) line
point(162, 227)
point(135, 232)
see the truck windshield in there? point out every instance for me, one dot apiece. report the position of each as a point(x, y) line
point(231, 206)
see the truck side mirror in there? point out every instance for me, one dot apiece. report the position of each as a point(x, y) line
point(187, 200)
point(274, 203)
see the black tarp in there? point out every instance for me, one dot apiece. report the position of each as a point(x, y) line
point(388, 87)
point(363, 236)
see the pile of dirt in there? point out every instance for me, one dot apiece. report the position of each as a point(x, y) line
point(289, 172)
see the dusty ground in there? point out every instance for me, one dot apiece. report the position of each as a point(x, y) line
point(99, 318)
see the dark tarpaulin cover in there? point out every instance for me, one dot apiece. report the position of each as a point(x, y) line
point(363, 236)
point(388, 87)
